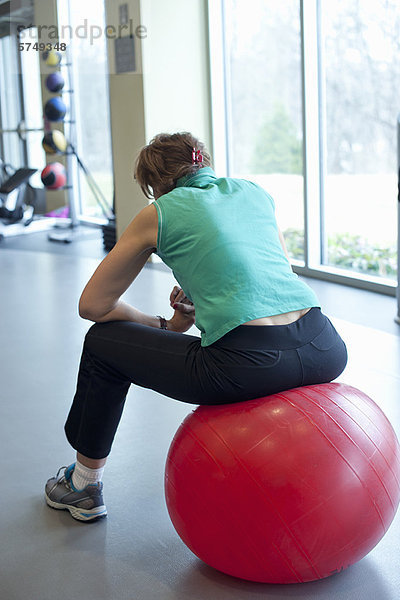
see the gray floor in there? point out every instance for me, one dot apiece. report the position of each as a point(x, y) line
point(135, 553)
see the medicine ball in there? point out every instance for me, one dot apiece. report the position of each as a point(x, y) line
point(54, 176)
point(55, 109)
point(55, 82)
point(52, 58)
point(54, 142)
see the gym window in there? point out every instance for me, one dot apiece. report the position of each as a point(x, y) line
point(89, 105)
point(305, 102)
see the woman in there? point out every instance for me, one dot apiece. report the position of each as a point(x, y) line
point(262, 329)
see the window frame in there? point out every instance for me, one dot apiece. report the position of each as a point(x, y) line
point(15, 70)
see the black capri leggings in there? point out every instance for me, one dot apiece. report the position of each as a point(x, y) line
point(250, 361)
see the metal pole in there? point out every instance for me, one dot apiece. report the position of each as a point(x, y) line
point(73, 213)
point(20, 130)
point(397, 318)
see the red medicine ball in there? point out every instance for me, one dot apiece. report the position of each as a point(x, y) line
point(54, 176)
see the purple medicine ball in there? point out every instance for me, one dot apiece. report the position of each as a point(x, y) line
point(55, 109)
point(55, 82)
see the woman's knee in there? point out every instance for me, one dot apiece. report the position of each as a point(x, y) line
point(104, 330)
point(91, 334)
point(112, 341)
point(97, 334)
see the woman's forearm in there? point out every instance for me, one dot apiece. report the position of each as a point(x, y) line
point(125, 312)
point(181, 321)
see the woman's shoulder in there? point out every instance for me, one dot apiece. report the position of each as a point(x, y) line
point(247, 186)
point(221, 186)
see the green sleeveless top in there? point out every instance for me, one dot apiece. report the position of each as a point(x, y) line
point(220, 238)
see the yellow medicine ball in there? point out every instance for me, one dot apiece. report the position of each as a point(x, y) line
point(54, 142)
point(52, 58)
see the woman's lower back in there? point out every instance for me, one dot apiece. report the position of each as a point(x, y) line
point(283, 319)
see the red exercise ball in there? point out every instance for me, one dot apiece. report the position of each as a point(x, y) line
point(288, 488)
point(54, 176)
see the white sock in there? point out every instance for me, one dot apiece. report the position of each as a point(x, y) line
point(83, 476)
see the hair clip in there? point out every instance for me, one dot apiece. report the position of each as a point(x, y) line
point(197, 156)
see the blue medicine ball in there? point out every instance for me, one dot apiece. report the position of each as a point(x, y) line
point(55, 109)
point(55, 82)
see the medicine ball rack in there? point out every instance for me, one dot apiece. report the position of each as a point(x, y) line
point(74, 224)
point(71, 222)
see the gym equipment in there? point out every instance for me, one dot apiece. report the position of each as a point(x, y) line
point(54, 142)
point(21, 130)
point(107, 211)
point(54, 176)
point(55, 109)
point(60, 213)
point(15, 182)
point(289, 488)
point(70, 152)
point(55, 82)
point(97, 193)
point(17, 179)
point(109, 234)
point(52, 58)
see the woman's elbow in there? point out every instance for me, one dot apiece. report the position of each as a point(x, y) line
point(86, 310)
point(94, 312)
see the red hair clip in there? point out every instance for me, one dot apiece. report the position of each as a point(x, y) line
point(197, 156)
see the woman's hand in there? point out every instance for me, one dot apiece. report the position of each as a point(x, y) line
point(184, 311)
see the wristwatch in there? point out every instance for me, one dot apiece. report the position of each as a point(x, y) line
point(163, 322)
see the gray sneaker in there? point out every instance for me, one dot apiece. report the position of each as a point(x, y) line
point(84, 505)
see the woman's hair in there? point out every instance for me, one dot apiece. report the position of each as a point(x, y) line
point(167, 158)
